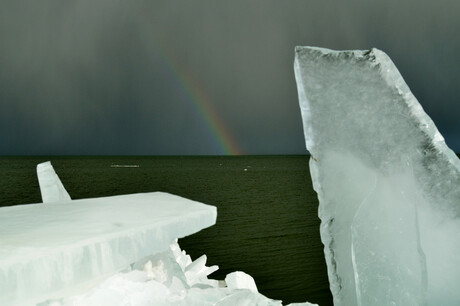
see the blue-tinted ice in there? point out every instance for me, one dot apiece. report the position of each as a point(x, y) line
point(388, 186)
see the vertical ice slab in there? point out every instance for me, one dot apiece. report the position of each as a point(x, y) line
point(388, 186)
point(51, 186)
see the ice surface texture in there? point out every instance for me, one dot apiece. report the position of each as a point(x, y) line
point(50, 250)
point(388, 186)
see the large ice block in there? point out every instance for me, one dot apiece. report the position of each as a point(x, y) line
point(388, 186)
point(49, 251)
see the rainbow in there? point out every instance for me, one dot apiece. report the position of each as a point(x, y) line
point(203, 105)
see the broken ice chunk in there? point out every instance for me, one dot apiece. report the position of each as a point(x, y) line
point(388, 186)
point(197, 270)
point(240, 280)
point(51, 187)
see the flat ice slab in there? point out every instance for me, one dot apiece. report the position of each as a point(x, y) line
point(50, 250)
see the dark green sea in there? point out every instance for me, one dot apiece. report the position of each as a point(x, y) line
point(267, 222)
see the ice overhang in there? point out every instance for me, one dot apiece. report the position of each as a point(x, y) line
point(48, 249)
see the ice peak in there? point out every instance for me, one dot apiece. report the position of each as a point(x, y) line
point(51, 187)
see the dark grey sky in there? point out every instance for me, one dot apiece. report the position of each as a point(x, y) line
point(107, 76)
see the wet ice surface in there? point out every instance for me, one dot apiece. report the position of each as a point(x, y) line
point(388, 186)
point(51, 250)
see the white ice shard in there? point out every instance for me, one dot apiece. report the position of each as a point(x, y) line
point(51, 250)
point(51, 187)
point(240, 280)
point(388, 186)
point(176, 263)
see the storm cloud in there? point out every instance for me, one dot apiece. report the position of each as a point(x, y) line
point(110, 77)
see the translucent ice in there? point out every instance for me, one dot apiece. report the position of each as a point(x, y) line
point(388, 186)
point(49, 251)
